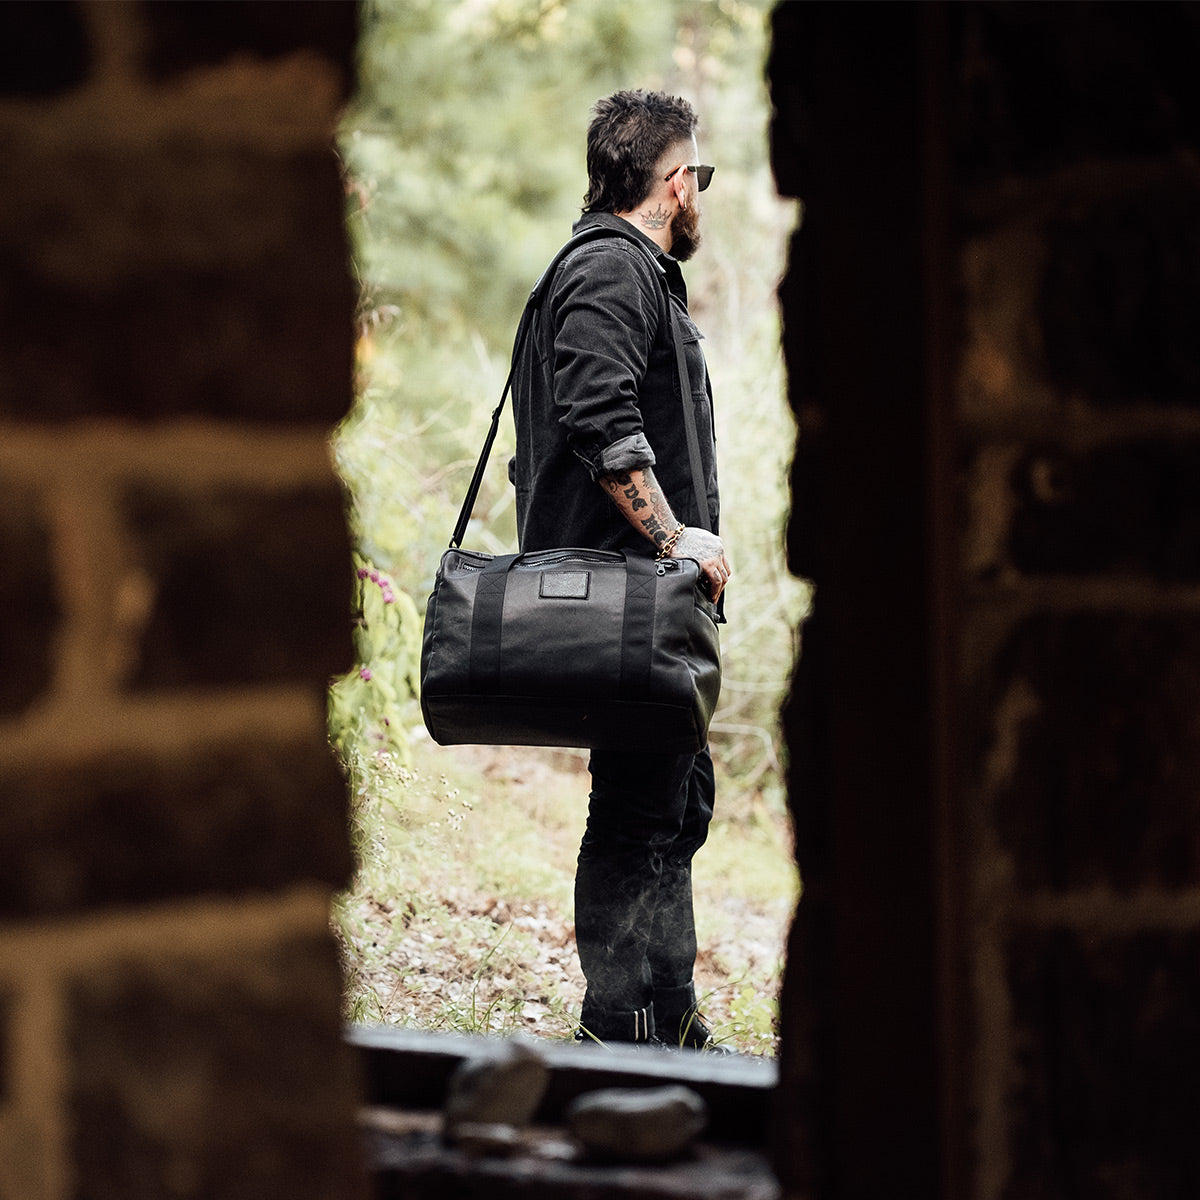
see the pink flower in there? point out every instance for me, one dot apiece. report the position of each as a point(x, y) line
point(365, 673)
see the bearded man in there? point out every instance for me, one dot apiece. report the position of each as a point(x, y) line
point(602, 462)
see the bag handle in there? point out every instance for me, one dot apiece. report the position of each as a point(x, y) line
point(534, 303)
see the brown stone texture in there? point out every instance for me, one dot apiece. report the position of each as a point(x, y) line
point(1109, 1064)
point(1103, 787)
point(29, 606)
point(187, 34)
point(216, 1078)
point(43, 48)
point(130, 827)
point(1120, 297)
point(196, 280)
point(1131, 508)
point(1081, 619)
point(1043, 226)
point(5, 1021)
point(174, 273)
point(1040, 85)
point(249, 587)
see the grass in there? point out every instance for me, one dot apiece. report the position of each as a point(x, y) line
point(459, 917)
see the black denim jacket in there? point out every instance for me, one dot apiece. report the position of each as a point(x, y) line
point(596, 390)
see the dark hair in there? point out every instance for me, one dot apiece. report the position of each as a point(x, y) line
point(629, 134)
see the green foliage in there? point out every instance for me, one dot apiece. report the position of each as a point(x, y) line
point(754, 1018)
point(366, 706)
point(464, 155)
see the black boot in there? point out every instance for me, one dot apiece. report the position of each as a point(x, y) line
point(634, 1026)
point(678, 1021)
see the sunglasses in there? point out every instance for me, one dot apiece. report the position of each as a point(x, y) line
point(702, 172)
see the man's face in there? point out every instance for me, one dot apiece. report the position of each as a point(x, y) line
point(685, 225)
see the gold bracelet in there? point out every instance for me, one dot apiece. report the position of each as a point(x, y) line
point(665, 549)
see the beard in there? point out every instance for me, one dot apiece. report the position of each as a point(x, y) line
point(685, 233)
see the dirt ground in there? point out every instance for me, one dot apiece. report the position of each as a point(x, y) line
point(474, 959)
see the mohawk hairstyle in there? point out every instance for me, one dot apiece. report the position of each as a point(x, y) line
point(629, 134)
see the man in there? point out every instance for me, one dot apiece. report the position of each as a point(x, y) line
point(602, 462)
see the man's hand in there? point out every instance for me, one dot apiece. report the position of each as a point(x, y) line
point(708, 550)
point(637, 494)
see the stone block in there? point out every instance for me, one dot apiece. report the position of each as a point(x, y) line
point(1120, 297)
point(125, 828)
point(1108, 1030)
point(1039, 85)
point(187, 34)
point(5, 1041)
point(29, 605)
point(223, 1078)
point(1132, 508)
point(250, 587)
point(1101, 786)
point(195, 280)
point(44, 48)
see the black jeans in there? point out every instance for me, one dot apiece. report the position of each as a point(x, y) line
point(648, 815)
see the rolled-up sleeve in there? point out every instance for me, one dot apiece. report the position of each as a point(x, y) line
point(626, 455)
point(605, 312)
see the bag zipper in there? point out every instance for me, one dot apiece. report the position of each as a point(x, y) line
point(598, 556)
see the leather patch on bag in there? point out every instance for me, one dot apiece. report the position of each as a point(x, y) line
point(565, 585)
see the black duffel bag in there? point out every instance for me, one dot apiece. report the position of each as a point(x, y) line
point(570, 647)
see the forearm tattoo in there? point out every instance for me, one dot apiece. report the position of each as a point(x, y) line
point(655, 530)
point(642, 502)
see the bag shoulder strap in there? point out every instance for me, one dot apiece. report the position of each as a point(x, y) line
point(532, 305)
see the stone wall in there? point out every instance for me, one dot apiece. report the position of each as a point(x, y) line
point(990, 320)
point(1078, 194)
point(1002, 205)
point(176, 308)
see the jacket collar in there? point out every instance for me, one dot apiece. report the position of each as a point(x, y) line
point(610, 221)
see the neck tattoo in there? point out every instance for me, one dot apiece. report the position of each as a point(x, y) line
point(657, 219)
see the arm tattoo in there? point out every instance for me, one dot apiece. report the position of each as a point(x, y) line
point(657, 219)
point(639, 494)
point(654, 529)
